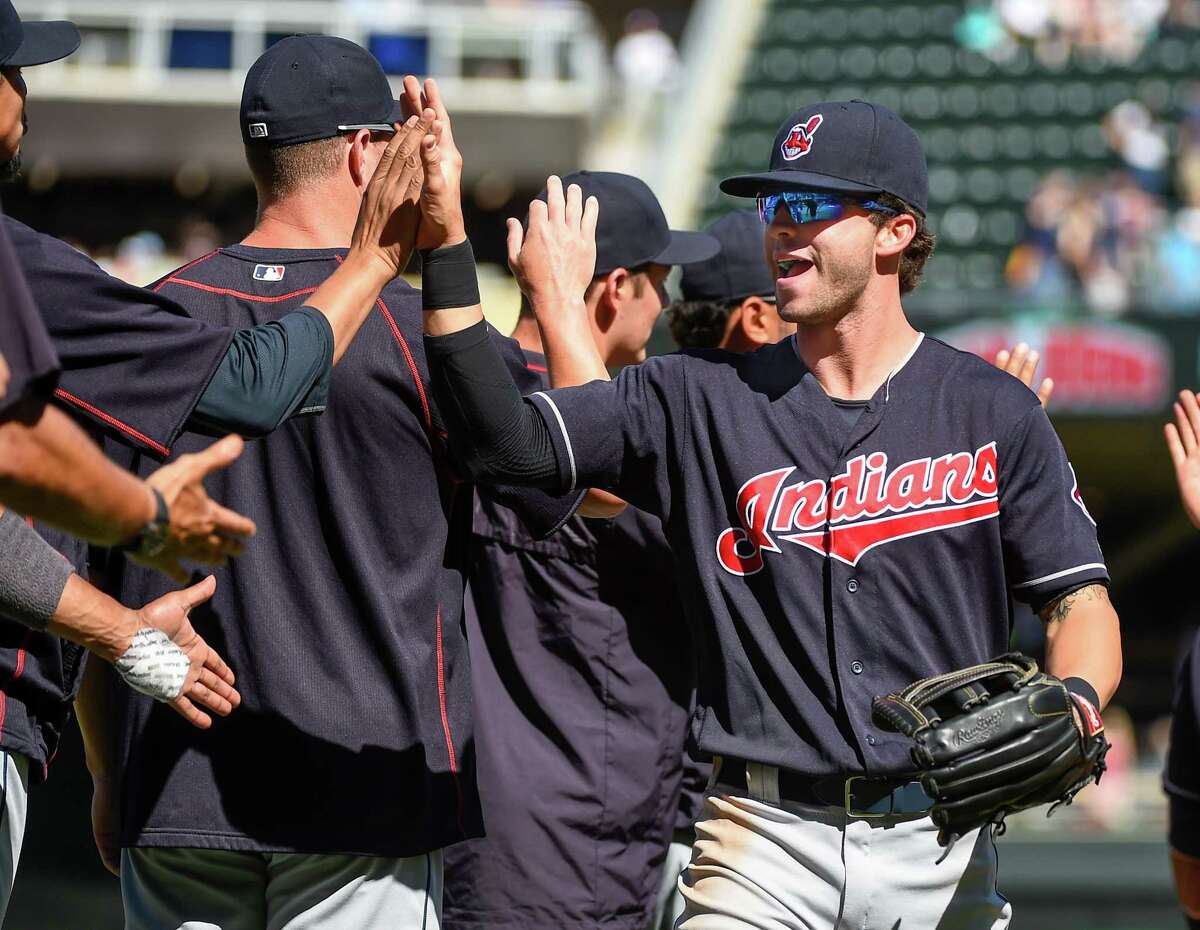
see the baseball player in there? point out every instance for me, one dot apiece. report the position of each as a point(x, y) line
point(849, 509)
point(137, 368)
point(1180, 778)
point(326, 800)
point(579, 654)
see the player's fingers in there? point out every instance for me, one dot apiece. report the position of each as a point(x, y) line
point(220, 454)
point(390, 150)
point(555, 206)
point(215, 664)
point(1045, 391)
point(204, 697)
point(1016, 359)
point(1174, 445)
point(228, 522)
point(408, 159)
point(1192, 408)
point(192, 714)
point(221, 689)
point(1029, 368)
point(431, 162)
point(410, 99)
point(198, 593)
point(1001, 360)
point(591, 214)
point(1182, 424)
point(516, 235)
point(539, 214)
point(574, 206)
point(433, 99)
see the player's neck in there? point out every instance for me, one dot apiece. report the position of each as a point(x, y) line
point(307, 221)
point(527, 333)
point(851, 358)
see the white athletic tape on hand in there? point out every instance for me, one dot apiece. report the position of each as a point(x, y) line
point(153, 665)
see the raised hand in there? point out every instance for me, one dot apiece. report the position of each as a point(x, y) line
point(554, 260)
point(4, 376)
point(1021, 362)
point(386, 229)
point(201, 530)
point(1183, 443)
point(208, 682)
point(441, 200)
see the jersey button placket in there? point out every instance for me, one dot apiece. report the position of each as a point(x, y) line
point(852, 585)
point(856, 667)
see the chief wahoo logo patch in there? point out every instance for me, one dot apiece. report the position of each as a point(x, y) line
point(800, 139)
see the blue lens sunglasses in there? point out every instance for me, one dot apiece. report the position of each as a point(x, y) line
point(808, 207)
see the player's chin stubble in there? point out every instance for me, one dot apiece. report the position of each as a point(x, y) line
point(838, 291)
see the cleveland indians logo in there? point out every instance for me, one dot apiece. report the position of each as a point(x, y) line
point(865, 506)
point(800, 139)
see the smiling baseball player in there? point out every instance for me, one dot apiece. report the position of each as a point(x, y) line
point(850, 510)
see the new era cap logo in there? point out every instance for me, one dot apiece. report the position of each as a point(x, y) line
point(258, 130)
point(800, 139)
point(268, 272)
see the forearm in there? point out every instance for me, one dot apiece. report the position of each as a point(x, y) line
point(94, 709)
point(52, 471)
point(498, 437)
point(571, 353)
point(91, 618)
point(348, 295)
point(1083, 640)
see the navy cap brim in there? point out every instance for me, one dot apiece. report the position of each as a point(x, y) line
point(774, 182)
point(44, 43)
point(686, 248)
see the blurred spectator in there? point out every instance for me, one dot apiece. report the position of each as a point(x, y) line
point(645, 58)
point(1140, 143)
point(1114, 29)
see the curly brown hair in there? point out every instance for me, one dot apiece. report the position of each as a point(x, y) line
point(912, 262)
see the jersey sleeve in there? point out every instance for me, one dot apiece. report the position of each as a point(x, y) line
point(622, 435)
point(133, 361)
point(1049, 538)
point(28, 352)
point(542, 512)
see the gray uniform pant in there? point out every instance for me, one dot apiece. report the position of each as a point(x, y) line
point(208, 889)
point(783, 866)
point(15, 782)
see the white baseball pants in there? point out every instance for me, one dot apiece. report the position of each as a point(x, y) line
point(784, 866)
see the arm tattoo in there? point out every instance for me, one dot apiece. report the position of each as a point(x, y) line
point(1057, 610)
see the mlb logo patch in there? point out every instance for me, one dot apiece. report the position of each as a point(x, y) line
point(258, 130)
point(268, 272)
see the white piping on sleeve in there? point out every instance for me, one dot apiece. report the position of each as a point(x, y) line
point(1056, 575)
point(562, 427)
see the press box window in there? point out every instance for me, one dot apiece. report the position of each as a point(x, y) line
point(399, 53)
point(206, 49)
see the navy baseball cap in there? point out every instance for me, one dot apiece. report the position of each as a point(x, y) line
point(739, 270)
point(632, 229)
point(23, 45)
point(850, 147)
point(310, 87)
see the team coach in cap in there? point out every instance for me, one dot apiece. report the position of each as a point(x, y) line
point(813, 539)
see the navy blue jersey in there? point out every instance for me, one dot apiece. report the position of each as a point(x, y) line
point(1181, 780)
point(24, 343)
point(583, 672)
point(133, 365)
point(830, 563)
point(342, 620)
point(133, 362)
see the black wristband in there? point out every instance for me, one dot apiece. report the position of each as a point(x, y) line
point(1084, 690)
point(153, 537)
point(448, 277)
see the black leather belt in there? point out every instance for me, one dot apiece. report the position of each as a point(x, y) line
point(858, 795)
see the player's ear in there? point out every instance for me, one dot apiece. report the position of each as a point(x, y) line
point(613, 289)
point(894, 236)
point(360, 162)
point(754, 319)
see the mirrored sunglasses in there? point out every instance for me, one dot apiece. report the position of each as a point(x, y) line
point(809, 207)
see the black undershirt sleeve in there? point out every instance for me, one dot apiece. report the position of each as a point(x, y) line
point(270, 373)
point(495, 435)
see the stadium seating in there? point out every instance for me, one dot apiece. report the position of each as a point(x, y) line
point(991, 128)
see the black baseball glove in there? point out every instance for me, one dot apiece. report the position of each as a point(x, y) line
point(995, 738)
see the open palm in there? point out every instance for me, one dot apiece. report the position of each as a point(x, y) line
point(1183, 442)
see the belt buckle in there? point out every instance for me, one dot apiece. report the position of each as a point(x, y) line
point(871, 812)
